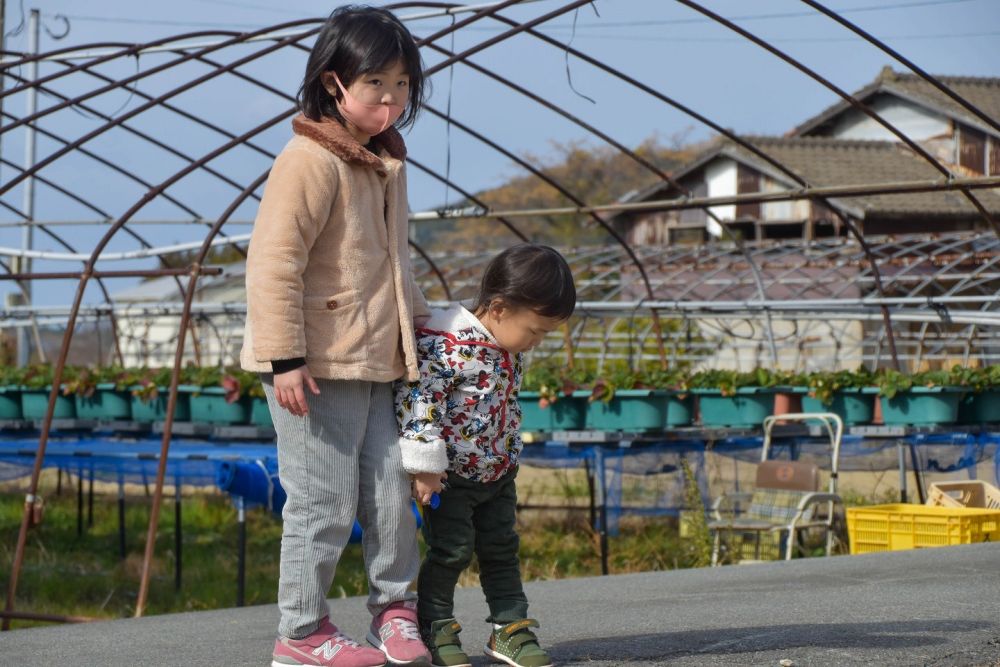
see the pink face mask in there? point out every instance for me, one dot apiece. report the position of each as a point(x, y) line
point(369, 118)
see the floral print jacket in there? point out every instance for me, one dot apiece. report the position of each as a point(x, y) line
point(462, 414)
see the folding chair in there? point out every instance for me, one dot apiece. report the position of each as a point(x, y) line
point(785, 500)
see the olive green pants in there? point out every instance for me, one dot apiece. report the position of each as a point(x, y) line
point(473, 518)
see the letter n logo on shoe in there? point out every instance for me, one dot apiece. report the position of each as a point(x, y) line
point(385, 631)
point(328, 649)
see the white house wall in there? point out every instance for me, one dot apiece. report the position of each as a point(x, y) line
point(720, 176)
point(916, 122)
point(151, 341)
point(822, 345)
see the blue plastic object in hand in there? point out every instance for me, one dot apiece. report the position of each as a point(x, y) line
point(435, 501)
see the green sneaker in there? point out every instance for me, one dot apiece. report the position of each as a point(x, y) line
point(445, 646)
point(518, 646)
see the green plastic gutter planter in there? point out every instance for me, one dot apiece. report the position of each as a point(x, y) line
point(34, 402)
point(568, 413)
point(105, 403)
point(155, 410)
point(10, 403)
point(260, 414)
point(922, 406)
point(639, 410)
point(854, 406)
point(209, 405)
point(980, 408)
point(746, 409)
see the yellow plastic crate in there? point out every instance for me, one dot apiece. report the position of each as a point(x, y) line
point(904, 526)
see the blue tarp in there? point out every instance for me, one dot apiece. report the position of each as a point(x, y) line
point(249, 469)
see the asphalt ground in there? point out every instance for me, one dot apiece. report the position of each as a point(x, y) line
point(926, 607)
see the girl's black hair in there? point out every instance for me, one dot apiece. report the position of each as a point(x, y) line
point(354, 41)
point(529, 276)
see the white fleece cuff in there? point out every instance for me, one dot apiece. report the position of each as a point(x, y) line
point(419, 456)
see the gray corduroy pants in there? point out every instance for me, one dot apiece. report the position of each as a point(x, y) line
point(340, 461)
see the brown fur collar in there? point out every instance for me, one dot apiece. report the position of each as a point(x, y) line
point(334, 137)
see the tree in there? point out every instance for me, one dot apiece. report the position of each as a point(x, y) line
point(593, 175)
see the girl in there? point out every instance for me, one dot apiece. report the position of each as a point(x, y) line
point(460, 423)
point(331, 304)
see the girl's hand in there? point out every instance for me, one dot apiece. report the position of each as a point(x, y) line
point(289, 390)
point(427, 483)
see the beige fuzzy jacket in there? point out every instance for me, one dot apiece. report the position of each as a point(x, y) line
point(328, 268)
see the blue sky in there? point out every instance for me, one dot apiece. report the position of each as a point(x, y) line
point(661, 43)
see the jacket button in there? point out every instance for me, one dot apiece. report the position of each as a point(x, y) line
point(331, 304)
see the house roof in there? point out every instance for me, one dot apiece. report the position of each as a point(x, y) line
point(165, 288)
point(981, 92)
point(823, 161)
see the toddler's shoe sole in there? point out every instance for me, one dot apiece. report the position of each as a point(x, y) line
point(503, 658)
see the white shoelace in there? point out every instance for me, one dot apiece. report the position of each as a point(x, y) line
point(341, 638)
point(407, 628)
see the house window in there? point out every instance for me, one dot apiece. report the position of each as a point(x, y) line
point(687, 235)
point(994, 156)
point(747, 182)
point(971, 149)
point(783, 230)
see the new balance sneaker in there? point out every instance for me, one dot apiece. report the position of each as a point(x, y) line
point(517, 645)
point(444, 644)
point(394, 632)
point(327, 647)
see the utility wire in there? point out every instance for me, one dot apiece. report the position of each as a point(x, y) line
point(166, 22)
point(745, 17)
point(610, 24)
point(714, 40)
point(251, 6)
point(776, 15)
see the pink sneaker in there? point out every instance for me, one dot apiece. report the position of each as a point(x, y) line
point(327, 647)
point(394, 631)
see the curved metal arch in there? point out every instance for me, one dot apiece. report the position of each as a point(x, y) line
point(143, 242)
point(132, 51)
point(885, 48)
point(143, 107)
point(434, 267)
point(932, 278)
point(847, 97)
point(730, 135)
point(55, 186)
point(848, 223)
point(168, 423)
point(71, 325)
point(430, 172)
point(127, 49)
point(468, 195)
point(160, 144)
point(662, 175)
point(196, 267)
point(563, 191)
point(94, 156)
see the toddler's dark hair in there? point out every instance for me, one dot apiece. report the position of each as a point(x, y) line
point(355, 41)
point(529, 276)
